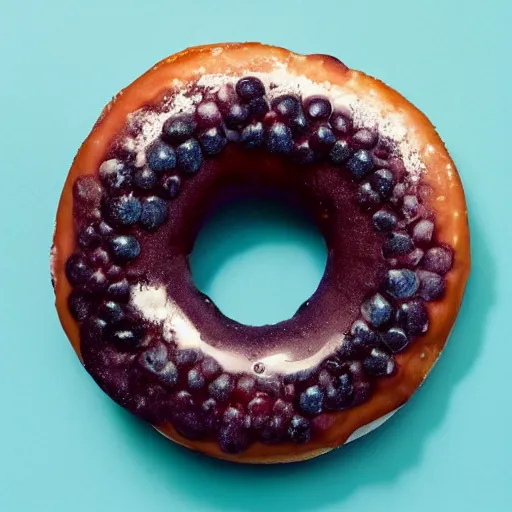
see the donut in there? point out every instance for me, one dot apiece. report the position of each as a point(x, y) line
point(237, 120)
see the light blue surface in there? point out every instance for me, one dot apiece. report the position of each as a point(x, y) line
point(65, 446)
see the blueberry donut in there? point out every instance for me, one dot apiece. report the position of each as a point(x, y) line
point(219, 121)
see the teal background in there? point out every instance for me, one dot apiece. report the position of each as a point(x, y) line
point(64, 446)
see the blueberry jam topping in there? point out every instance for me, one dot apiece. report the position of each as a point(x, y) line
point(133, 220)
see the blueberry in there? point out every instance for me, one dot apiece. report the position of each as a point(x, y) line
point(360, 164)
point(341, 124)
point(395, 339)
point(340, 152)
point(299, 430)
point(339, 394)
point(397, 243)
point(279, 139)
point(77, 270)
point(382, 182)
point(432, 285)
point(322, 139)
point(259, 409)
point(154, 359)
point(334, 366)
point(171, 187)
point(259, 107)
point(105, 229)
point(410, 206)
point(361, 331)
point(271, 385)
point(402, 283)
point(111, 312)
point(189, 156)
point(154, 213)
point(180, 128)
point(187, 418)
point(119, 291)
point(80, 305)
point(234, 414)
point(213, 141)
point(423, 231)
point(438, 260)
point(353, 346)
point(187, 357)
point(298, 124)
point(414, 258)
point(115, 175)
point(233, 436)
point(210, 367)
point(124, 210)
point(384, 220)
point(253, 136)
point(275, 429)
point(317, 108)
point(245, 388)
point(208, 114)
point(398, 193)
point(195, 379)
point(124, 247)
point(376, 310)
point(303, 154)
point(366, 197)
point(160, 157)
point(287, 106)
point(236, 116)
point(365, 138)
point(114, 272)
point(226, 95)
point(97, 283)
point(87, 191)
point(183, 401)
point(379, 364)
point(99, 257)
point(311, 400)
point(168, 375)
point(189, 423)
point(283, 408)
point(221, 387)
point(145, 179)
point(89, 238)
point(412, 317)
point(249, 88)
point(212, 414)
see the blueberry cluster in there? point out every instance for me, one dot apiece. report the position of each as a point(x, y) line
point(160, 382)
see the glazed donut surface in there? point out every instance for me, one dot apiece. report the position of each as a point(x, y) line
point(222, 120)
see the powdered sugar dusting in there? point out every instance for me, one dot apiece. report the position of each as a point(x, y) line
point(368, 112)
point(150, 301)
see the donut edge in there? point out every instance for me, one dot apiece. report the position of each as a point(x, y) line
point(59, 252)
